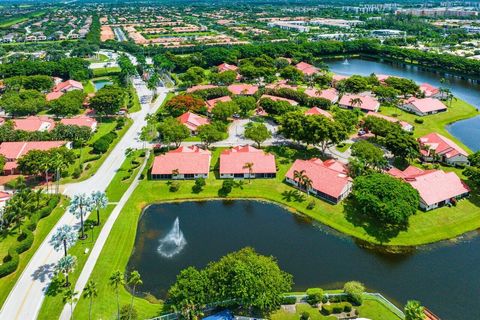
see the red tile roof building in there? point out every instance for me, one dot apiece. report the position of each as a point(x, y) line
point(227, 67)
point(233, 163)
point(53, 95)
point(405, 125)
point(306, 69)
point(434, 145)
point(201, 87)
point(318, 111)
point(183, 163)
point(275, 98)
point(429, 90)
point(81, 121)
point(367, 104)
point(435, 187)
point(213, 102)
point(243, 88)
point(329, 178)
point(34, 123)
point(192, 121)
point(330, 94)
point(282, 84)
point(68, 85)
point(423, 107)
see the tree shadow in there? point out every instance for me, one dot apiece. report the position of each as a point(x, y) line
point(380, 231)
point(57, 286)
point(293, 195)
point(44, 272)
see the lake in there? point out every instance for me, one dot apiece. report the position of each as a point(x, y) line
point(99, 84)
point(464, 89)
point(443, 277)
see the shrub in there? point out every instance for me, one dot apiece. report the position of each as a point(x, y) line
point(100, 146)
point(120, 123)
point(32, 223)
point(354, 290)
point(199, 184)
point(305, 315)
point(26, 241)
point(337, 309)
point(174, 186)
point(77, 172)
point(10, 262)
point(311, 205)
point(226, 188)
point(314, 295)
point(289, 300)
point(418, 120)
point(128, 312)
point(347, 307)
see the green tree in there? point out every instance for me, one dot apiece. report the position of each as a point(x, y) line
point(354, 290)
point(223, 78)
point(209, 134)
point(414, 311)
point(23, 103)
point(134, 280)
point(90, 292)
point(117, 280)
point(378, 126)
point(63, 238)
point(257, 132)
point(65, 266)
point(246, 104)
point(225, 110)
point(371, 155)
point(354, 84)
point(402, 144)
point(108, 100)
point(171, 130)
point(192, 76)
point(70, 297)
point(70, 103)
point(291, 73)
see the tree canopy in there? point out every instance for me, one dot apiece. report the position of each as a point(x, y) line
point(108, 100)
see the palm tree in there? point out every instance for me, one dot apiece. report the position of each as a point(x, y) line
point(65, 266)
point(100, 201)
point(307, 184)
point(249, 166)
point(70, 297)
point(356, 102)
point(64, 237)
point(116, 280)
point(134, 280)
point(79, 206)
point(298, 176)
point(414, 311)
point(90, 292)
point(175, 172)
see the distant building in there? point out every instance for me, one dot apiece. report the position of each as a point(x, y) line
point(81, 121)
point(243, 89)
point(192, 121)
point(365, 103)
point(306, 69)
point(435, 147)
point(298, 26)
point(234, 161)
point(438, 12)
point(388, 33)
point(183, 163)
point(34, 123)
point(275, 98)
point(423, 107)
point(405, 125)
point(330, 94)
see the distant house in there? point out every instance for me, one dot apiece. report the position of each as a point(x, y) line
point(34, 123)
point(429, 90)
point(54, 95)
point(201, 87)
point(68, 85)
point(366, 103)
point(81, 121)
point(227, 67)
point(4, 197)
point(423, 107)
point(233, 163)
point(213, 102)
point(329, 179)
point(382, 77)
point(183, 163)
point(275, 98)
point(192, 121)
point(12, 151)
point(306, 69)
point(435, 187)
point(338, 77)
point(330, 94)
point(434, 146)
point(243, 89)
point(405, 125)
point(318, 111)
point(282, 84)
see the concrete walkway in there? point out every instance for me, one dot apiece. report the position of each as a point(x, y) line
point(26, 297)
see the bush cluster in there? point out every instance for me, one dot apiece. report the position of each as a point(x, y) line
point(335, 308)
point(103, 143)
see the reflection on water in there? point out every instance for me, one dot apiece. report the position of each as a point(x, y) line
point(314, 254)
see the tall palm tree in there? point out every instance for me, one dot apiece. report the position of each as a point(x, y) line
point(249, 166)
point(79, 206)
point(356, 102)
point(64, 237)
point(307, 184)
point(298, 176)
point(116, 280)
point(90, 292)
point(70, 297)
point(65, 266)
point(134, 280)
point(99, 201)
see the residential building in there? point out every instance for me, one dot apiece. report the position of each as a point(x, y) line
point(297, 26)
point(183, 163)
point(54, 95)
point(435, 147)
point(34, 123)
point(405, 125)
point(243, 89)
point(213, 102)
point(227, 67)
point(318, 111)
point(330, 94)
point(423, 107)
point(81, 121)
point(275, 98)
point(429, 91)
point(436, 188)
point(329, 179)
point(68, 85)
point(234, 163)
point(306, 68)
point(201, 87)
point(388, 33)
point(362, 102)
point(192, 121)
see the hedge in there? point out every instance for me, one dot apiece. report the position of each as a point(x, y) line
point(103, 143)
point(25, 242)
point(10, 262)
point(289, 300)
point(335, 308)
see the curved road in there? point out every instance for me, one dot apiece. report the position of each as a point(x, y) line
point(26, 297)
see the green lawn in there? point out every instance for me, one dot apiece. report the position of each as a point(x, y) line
point(88, 87)
point(101, 72)
point(135, 107)
point(344, 147)
point(44, 226)
point(99, 58)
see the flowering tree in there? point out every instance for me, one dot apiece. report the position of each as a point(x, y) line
point(64, 237)
point(99, 201)
point(79, 206)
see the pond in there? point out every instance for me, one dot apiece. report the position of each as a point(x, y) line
point(464, 89)
point(444, 277)
point(99, 84)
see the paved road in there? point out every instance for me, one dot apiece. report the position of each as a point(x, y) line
point(26, 297)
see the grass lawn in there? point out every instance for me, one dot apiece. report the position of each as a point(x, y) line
point(100, 72)
point(100, 58)
point(135, 106)
point(53, 305)
point(44, 226)
point(88, 86)
point(344, 148)
point(373, 308)
point(459, 110)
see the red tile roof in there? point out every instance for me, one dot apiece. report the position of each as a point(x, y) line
point(14, 150)
point(242, 88)
point(442, 145)
point(282, 84)
point(213, 102)
point(318, 111)
point(201, 87)
point(81, 121)
point(306, 69)
point(330, 94)
point(405, 125)
point(227, 67)
point(34, 123)
point(53, 95)
point(192, 121)
point(68, 85)
point(339, 77)
point(426, 105)
point(368, 103)
point(429, 90)
point(275, 98)
point(233, 160)
point(434, 186)
point(187, 160)
point(328, 177)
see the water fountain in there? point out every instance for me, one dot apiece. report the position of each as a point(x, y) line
point(173, 242)
point(345, 62)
